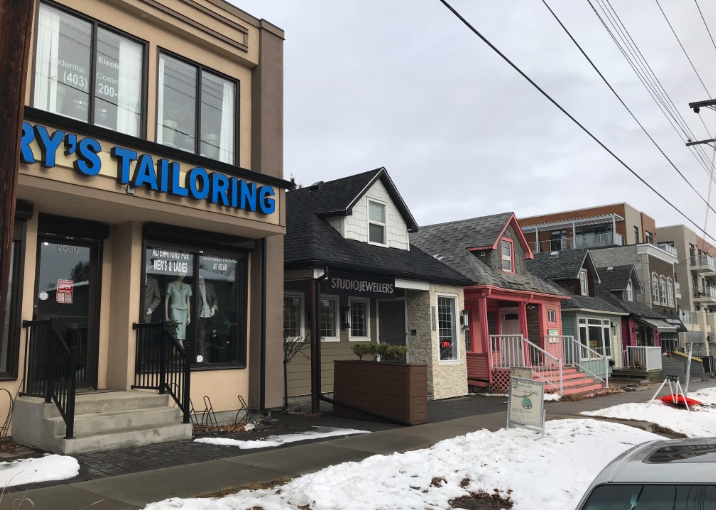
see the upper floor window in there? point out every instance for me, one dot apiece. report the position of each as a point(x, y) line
point(376, 222)
point(669, 292)
point(662, 290)
point(508, 263)
point(655, 288)
point(583, 283)
point(637, 240)
point(629, 291)
point(551, 316)
point(196, 110)
point(649, 237)
point(87, 72)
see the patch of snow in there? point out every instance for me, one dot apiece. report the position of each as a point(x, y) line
point(492, 394)
point(272, 441)
point(575, 451)
point(706, 396)
point(700, 422)
point(40, 469)
point(249, 427)
point(551, 397)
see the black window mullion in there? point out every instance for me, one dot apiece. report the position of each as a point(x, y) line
point(197, 144)
point(93, 73)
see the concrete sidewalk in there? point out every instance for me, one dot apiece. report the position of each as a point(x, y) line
point(133, 491)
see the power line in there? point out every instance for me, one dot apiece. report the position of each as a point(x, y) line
point(649, 79)
point(625, 105)
point(705, 24)
point(555, 103)
point(682, 48)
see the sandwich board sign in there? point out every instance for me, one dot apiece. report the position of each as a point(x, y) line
point(525, 404)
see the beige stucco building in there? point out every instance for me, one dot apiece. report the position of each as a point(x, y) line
point(151, 188)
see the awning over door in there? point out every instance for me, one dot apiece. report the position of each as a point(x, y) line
point(660, 325)
point(674, 320)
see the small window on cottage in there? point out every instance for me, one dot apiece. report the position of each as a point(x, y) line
point(359, 319)
point(376, 222)
point(447, 328)
point(329, 319)
point(655, 288)
point(629, 292)
point(292, 317)
point(507, 256)
point(662, 290)
point(583, 283)
point(551, 316)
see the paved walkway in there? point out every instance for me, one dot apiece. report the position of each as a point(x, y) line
point(224, 467)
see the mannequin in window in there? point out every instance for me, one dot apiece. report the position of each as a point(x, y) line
point(208, 305)
point(177, 306)
point(152, 297)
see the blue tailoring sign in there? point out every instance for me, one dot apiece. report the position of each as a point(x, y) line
point(161, 175)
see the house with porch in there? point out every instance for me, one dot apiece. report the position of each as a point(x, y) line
point(514, 316)
point(644, 329)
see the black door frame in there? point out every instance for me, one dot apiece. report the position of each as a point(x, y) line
point(405, 317)
point(94, 298)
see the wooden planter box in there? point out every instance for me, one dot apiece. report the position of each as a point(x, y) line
point(394, 390)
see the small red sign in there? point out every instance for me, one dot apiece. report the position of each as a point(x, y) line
point(64, 291)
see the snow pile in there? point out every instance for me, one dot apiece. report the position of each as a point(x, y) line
point(481, 461)
point(700, 422)
point(551, 397)
point(272, 441)
point(42, 469)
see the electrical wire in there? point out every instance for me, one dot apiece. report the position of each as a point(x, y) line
point(569, 34)
point(705, 24)
point(561, 108)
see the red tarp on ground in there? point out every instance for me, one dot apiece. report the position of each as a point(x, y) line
point(679, 401)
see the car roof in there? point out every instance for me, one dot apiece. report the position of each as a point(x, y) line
point(668, 461)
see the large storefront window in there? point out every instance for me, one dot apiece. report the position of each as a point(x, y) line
point(447, 328)
point(200, 295)
point(595, 334)
point(181, 102)
point(65, 83)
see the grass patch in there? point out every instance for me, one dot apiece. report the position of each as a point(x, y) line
point(251, 487)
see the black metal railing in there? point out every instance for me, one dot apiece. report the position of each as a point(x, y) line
point(162, 363)
point(51, 367)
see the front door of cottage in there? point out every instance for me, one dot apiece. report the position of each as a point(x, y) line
point(510, 321)
point(391, 322)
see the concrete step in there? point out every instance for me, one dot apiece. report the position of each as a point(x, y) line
point(118, 401)
point(98, 422)
point(122, 438)
point(555, 377)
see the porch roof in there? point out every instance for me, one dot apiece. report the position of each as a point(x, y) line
point(659, 324)
point(590, 303)
point(578, 222)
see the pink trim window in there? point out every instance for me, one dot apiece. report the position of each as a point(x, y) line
point(507, 252)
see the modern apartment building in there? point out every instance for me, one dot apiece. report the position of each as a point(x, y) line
point(696, 272)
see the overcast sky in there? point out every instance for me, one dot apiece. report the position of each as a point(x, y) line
point(405, 85)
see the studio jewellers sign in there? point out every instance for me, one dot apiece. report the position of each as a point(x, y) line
point(349, 284)
point(143, 171)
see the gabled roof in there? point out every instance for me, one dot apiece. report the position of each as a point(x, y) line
point(451, 243)
point(561, 265)
point(634, 308)
point(617, 277)
point(311, 241)
point(338, 197)
point(590, 303)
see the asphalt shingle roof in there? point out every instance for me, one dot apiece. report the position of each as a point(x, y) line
point(311, 240)
point(634, 308)
point(615, 278)
point(562, 266)
point(450, 241)
point(589, 303)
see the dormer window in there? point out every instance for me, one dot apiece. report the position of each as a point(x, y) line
point(630, 292)
point(376, 223)
point(508, 264)
point(583, 284)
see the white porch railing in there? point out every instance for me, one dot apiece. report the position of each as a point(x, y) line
point(643, 358)
point(507, 351)
point(586, 359)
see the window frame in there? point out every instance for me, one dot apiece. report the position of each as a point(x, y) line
point(197, 118)
point(302, 315)
point(14, 312)
point(583, 282)
point(630, 291)
point(637, 238)
point(351, 337)
point(337, 320)
point(456, 330)
point(655, 289)
point(670, 292)
point(372, 222)
point(662, 290)
point(511, 257)
point(199, 250)
point(649, 237)
point(96, 24)
point(551, 316)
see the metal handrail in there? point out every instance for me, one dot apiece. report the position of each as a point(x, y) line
point(577, 360)
point(520, 352)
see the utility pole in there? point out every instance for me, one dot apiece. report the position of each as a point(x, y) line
point(15, 28)
point(696, 107)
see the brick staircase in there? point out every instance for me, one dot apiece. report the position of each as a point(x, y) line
point(574, 381)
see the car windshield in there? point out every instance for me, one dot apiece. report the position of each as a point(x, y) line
point(652, 497)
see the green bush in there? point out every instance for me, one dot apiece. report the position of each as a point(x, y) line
point(386, 352)
point(361, 350)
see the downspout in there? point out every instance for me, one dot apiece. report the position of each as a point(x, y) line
point(262, 381)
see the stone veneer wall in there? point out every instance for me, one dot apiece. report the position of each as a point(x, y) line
point(445, 379)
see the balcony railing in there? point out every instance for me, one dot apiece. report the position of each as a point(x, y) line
point(642, 358)
point(685, 316)
point(582, 241)
point(705, 292)
point(703, 262)
point(668, 249)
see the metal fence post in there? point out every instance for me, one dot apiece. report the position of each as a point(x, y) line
point(606, 368)
point(49, 372)
point(162, 359)
point(70, 411)
point(187, 383)
point(561, 380)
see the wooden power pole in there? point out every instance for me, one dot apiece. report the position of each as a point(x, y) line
point(15, 29)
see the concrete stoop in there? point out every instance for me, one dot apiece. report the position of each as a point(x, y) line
point(103, 421)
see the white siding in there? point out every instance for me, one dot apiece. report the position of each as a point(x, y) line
point(336, 222)
point(356, 225)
